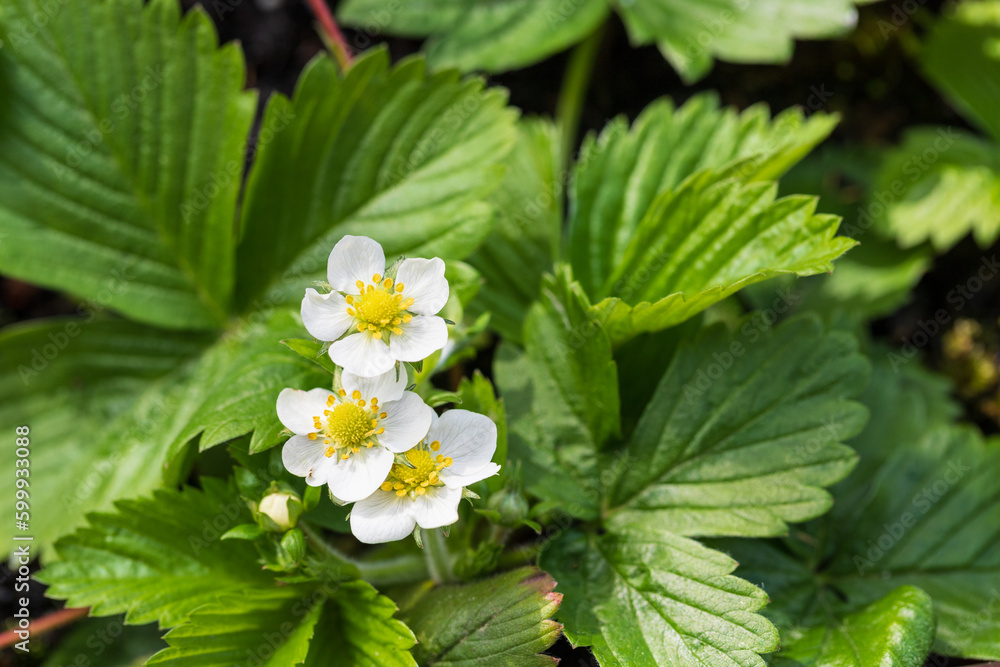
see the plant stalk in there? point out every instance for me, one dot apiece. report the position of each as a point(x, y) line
point(439, 560)
point(334, 38)
point(576, 81)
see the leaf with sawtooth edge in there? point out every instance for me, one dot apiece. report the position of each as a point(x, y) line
point(118, 121)
point(743, 431)
point(501, 621)
point(392, 153)
point(647, 597)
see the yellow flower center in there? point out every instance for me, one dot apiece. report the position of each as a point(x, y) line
point(348, 425)
point(421, 473)
point(379, 307)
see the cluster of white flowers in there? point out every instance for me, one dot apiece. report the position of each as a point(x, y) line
point(373, 442)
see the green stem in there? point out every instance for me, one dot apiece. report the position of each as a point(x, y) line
point(390, 571)
point(407, 569)
point(439, 560)
point(574, 90)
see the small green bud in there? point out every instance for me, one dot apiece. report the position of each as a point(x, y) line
point(293, 547)
point(510, 504)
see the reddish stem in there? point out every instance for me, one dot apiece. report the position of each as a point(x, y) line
point(336, 38)
point(56, 619)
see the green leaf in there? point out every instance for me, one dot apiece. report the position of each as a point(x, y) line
point(74, 383)
point(106, 642)
point(238, 381)
point(311, 350)
point(690, 35)
point(705, 241)
point(391, 153)
point(921, 510)
point(647, 598)
point(940, 185)
point(493, 36)
point(115, 404)
point(157, 558)
point(508, 34)
point(122, 141)
point(562, 397)
point(895, 631)
point(502, 622)
point(743, 432)
point(348, 624)
point(962, 58)
point(527, 233)
point(622, 172)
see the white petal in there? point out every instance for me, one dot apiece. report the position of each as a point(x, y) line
point(296, 408)
point(382, 517)
point(421, 337)
point(438, 507)
point(354, 258)
point(362, 354)
point(469, 438)
point(385, 387)
point(360, 475)
point(458, 481)
point(305, 458)
point(406, 422)
point(325, 315)
point(424, 282)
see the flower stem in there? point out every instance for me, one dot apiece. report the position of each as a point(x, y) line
point(406, 569)
point(332, 36)
point(439, 561)
point(574, 89)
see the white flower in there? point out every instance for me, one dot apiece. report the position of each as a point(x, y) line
point(385, 320)
point(348, 439)
point(426, 492)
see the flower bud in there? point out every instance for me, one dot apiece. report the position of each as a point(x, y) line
point(510, 504)
point(279, 511)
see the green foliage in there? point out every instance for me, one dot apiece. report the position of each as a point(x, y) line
point(509, 34)
point(349, 624)
point(647, 207)
point(743, 431)
point(562, 397)
point(526, 237)
point(736, 450)
point(502, 621)
point(920, 511)
point(123, 141)
point(895, 631)
point(646, 597)
point(942, 183)
point(118, 403)
point(157, 558)
point(390, 153)
point(961, 59)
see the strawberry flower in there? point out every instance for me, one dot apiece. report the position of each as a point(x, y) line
point(348, 439)
point(373, 320)
point(424, 488)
